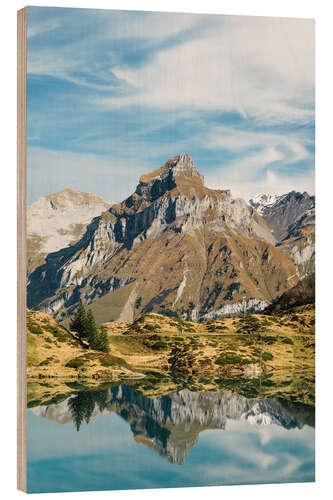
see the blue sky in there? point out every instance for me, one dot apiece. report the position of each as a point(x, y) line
point(114, 94)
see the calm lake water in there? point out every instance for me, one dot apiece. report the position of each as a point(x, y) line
point(120, 439)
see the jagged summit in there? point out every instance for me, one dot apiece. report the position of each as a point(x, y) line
point(181, 165)
point(177, 177)
point(173, 247)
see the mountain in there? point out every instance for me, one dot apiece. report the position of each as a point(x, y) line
point(300, 243)
point(171, 424)
point(281, 212)
point(174, 247)
point(291, 217)
point(58, 220)
point(302, 293)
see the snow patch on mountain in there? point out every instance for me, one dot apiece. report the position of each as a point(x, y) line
point(262, 201)
point(56, 220)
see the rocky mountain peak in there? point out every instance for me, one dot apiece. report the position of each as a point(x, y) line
point(58, 220)
point(181, 165)
point(184, 166)
point(267, 203)
point(261, 201)
point(174, 245)
point(282, 211)
point(177, 176)
point(291, 218)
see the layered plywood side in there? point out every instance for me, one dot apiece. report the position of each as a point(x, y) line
point(21, 246)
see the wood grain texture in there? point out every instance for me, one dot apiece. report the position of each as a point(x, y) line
point(21, 245)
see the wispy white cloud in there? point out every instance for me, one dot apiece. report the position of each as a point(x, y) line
point(140, 87)
point(260, 67)
point(255, 174)
point(86, 34)
point(238, 141)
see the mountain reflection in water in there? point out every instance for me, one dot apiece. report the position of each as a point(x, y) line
point(171, 424)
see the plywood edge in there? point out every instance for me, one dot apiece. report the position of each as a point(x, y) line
point(21, 246)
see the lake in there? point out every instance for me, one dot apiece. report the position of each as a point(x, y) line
point(120, 438)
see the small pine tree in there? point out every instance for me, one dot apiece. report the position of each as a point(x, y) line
point(103, 340)
point(84, 325)
point(79, 323)
point(92, 331)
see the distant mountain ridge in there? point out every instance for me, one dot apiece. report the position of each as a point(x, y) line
point(291, 217)
point(282, 211)
point(58, 220)
point(262, 201)
point(175, 247)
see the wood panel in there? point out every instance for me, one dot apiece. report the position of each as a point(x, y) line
point(21, 245)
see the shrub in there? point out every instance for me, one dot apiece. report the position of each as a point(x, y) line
point(45, 362)
point(269, 339)
point(56, 331)
point(267, 356)
point(75, 363)
point(37, 330)
point(151, 328)
point(159, 345)
point(110, 360)
point(229, 359)
point(287, 340)
point(211, 328)
point(248, 324)
point(107, 361)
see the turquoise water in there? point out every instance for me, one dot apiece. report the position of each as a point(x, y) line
point(183, 439)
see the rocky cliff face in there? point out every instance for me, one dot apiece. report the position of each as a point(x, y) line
point(59, 220)
point(281, 212)
point(174, 247)
point(171, 424)
point(291, 217)
point(304, 292)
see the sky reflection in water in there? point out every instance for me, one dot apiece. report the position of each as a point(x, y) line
point(212, 439)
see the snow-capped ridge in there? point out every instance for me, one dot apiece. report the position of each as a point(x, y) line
point(262, 201)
